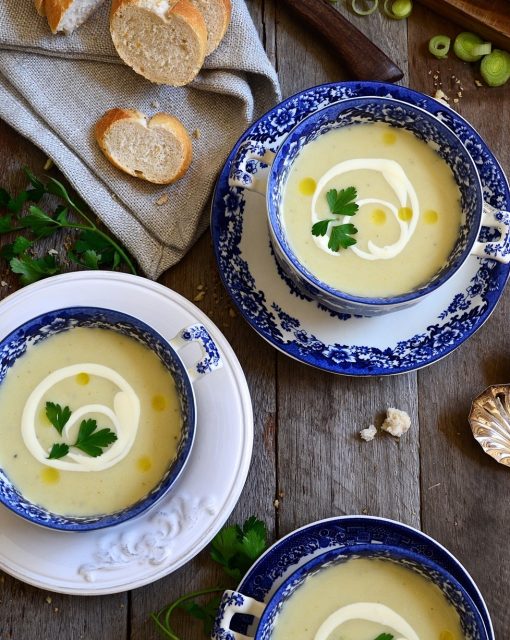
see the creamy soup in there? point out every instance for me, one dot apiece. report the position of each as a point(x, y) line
point(113, 379)
point(363, 598)
point(409, 209)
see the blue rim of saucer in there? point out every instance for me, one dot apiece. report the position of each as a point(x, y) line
point(465, 314)
point(298, 547)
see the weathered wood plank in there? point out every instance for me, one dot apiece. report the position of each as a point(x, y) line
point(323, 467)
point(464, 492)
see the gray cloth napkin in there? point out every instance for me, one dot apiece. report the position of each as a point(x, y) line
point(54, 88)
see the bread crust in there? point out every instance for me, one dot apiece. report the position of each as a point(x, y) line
point(184, 10)
point(39, 5)
point(164, 120)
point(55, 11)
point(227, 15)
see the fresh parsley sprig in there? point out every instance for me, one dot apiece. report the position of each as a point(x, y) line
point(89, 439)
point(235, 548)
point(385, 636)
point(341, 203)
point(92, 248)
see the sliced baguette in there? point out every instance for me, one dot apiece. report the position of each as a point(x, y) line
point(158, 150)
point(67, 15)
point(162, 40)
point(39, 5)
point(217, 18)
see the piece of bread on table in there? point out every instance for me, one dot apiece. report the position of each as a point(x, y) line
point(67, 15)
point(158, 150)
point(39, 5)
point(217, 18)
point(162, 40)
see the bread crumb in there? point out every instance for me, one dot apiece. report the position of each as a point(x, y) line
point(232, 313)
point(276, 504)
point(52, 252)
point(162, 199)
point(397, 422)
point(55, 609)
point(199, 297)
point(455, 100)
point(441, 96)
point(155, 104)
point(48, 599)
point(197, 134)
point(200, 287)
point(478, 83)
point(3, 283)
point(48, 164)
point(368, 434)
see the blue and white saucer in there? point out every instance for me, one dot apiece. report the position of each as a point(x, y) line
point(300, 546)
point(301, 327)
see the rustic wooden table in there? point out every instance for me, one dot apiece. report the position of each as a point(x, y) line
point(307, 452)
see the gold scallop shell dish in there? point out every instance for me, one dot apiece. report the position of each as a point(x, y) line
point(490, 422)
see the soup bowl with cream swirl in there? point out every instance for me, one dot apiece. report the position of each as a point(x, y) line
point(100, 416)
point(373, 204)
point(360, 591)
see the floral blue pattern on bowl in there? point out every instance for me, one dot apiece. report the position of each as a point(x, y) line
point(38, 329)
point(297, 333)
point(297, 548)
point(473, 626)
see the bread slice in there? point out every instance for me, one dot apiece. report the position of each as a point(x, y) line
point(39, 5)
point(67, 15)
point(217, 18)
point(158, 150)
point(162, 40)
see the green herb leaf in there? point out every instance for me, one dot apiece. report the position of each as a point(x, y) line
point(16, 248)
point(206, 613)
point(33, 269)
point(58, 451)
point(321, 228)
point(341, 203)
point(385, 636)
point(341, 237)
point(236, 548)
point(57, 415)
point(41, 224)
point(93, 442)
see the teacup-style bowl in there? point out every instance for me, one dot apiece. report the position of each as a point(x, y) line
point(425, 126)
point(265, 615)
point(40, 328)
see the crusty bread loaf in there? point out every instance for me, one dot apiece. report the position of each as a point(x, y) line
point(39, 5)
point(162, 40)
point(217, 18)
point(158, 150)
point(67, 15)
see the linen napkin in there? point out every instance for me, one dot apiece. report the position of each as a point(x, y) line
point(54, 88)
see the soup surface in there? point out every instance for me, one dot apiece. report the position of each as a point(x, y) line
point(415, 600)
point(429, 211)
point(96, 491)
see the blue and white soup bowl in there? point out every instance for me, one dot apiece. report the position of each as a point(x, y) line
point(41, 327)
point(246, 173)
point(265, 615)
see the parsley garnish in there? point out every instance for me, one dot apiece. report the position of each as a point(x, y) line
point(89, 440)
point(235, 548)
point(90, 247)
point(341, 203)
point(57, 416)
point(385, 636)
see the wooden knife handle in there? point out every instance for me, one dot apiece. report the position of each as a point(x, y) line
point(359, 55)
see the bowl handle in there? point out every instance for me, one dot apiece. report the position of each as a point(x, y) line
point(252, 158)
point(233, 602)
point(499, 250)
point(211, 359)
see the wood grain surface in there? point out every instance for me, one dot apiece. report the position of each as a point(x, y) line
point(307, 452)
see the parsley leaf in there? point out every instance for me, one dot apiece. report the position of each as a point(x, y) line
point(206, 613)
point(93, 442)
point(57, 415)
point(58, 451)
point(16, 248)
point(41, 224)
point(341, 236)
point(33, 269)
point(321, 228)
point(385, 636)
point(236, 548)
point(341, 203)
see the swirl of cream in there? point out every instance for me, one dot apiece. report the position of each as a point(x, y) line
point(396, 177)
point(370, 611)
point(125, 418)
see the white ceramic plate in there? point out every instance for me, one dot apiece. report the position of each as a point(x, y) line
point(182, 523)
